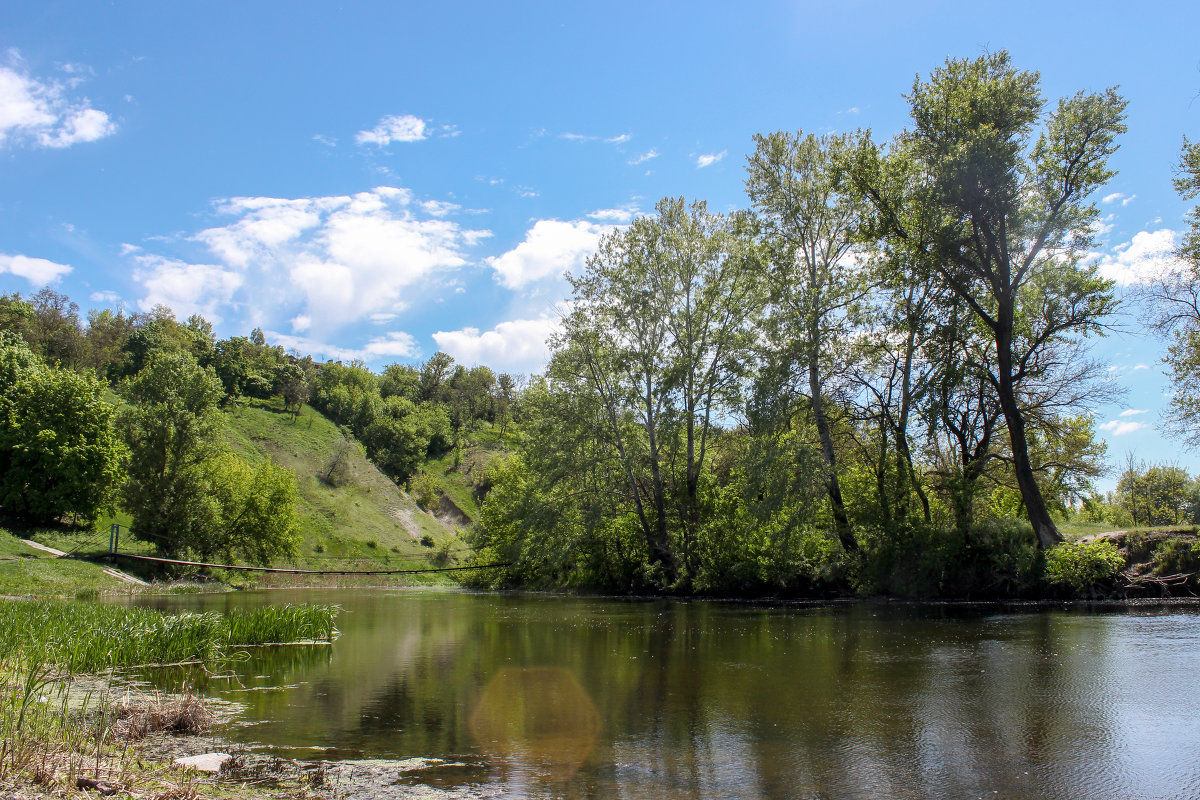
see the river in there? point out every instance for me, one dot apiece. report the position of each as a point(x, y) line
point(549, 696)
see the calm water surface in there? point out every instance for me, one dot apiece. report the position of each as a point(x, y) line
point(536, 696)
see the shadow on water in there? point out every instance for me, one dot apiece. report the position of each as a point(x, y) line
point(540, 696)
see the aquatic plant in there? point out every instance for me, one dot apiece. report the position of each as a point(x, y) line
point(86, 637)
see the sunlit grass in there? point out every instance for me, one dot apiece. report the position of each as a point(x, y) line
point(87, 637)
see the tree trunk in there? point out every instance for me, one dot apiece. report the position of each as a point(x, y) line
point(842, 522)
point(1031, 495)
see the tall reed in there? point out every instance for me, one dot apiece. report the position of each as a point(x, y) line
point(86, 637)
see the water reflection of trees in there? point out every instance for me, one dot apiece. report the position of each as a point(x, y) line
point(704, 700)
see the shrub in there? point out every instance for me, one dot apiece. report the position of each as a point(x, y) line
point(1083, 566)
point(1174, 556)
point(997, 558)
point(425, 492)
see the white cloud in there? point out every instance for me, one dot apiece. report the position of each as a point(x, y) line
point(186, 288)
point(1112, 198)
point(395, 344)
point(644, 157)
point(1140, 366)
point(40, 112)
point(515, 346)
point(526, 191)
point(439, 208)
point(550, 248)
point(580, 137)
point(1121, 428)
point(38, 271)
point(328, 141)
point(382, 317)
point(1103, 227)
point(1147, 255)
point(325, 262)
point(708, 159)
point(621, 215)
point(1133, 412)
point(394, 128)
point(104, 296)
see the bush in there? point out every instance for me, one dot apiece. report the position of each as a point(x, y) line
point(1175, 556)
point(998, 558)
point(1083, 567)
point(425, 492)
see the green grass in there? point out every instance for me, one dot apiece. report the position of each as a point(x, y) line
point(338, 524)
point(88, 637)
point(26, 571)
point(458, 475)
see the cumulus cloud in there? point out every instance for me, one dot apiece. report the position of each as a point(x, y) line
point(42, 113)
point(644, 157)
point(1148, 255)
point(186, 288)
point(1117, 428)
point(550, 248)
point(396, 344)
point(395, 128)
point(708, 159)
point(321, 262)
point(621, 139)
point(518, 345)
point(105, 296)
point(38, 271)
point(1133, 412)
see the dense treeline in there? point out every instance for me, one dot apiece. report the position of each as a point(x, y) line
point(409, 414)
point(159, 452)
point(874, 378)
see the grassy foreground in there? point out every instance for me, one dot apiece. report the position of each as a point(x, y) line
point(58, 738)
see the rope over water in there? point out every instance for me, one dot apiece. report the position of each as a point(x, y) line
point(292, 571)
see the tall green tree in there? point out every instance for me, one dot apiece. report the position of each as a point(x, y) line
point(651, 358)
point(1006, 187)
point(1172, 306)
point(171, 427)
point(813, 225)
point(59, 455)
point(257, 519)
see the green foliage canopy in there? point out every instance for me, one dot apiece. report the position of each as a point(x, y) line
point(59, 455)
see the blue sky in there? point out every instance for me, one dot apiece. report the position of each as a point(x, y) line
point(385, 180)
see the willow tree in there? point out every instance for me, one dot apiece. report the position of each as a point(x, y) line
point(812, 225)
point(1008, 184)
point(656, 346)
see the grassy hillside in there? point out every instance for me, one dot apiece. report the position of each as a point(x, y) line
point(359, 521)
point(459, 475)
